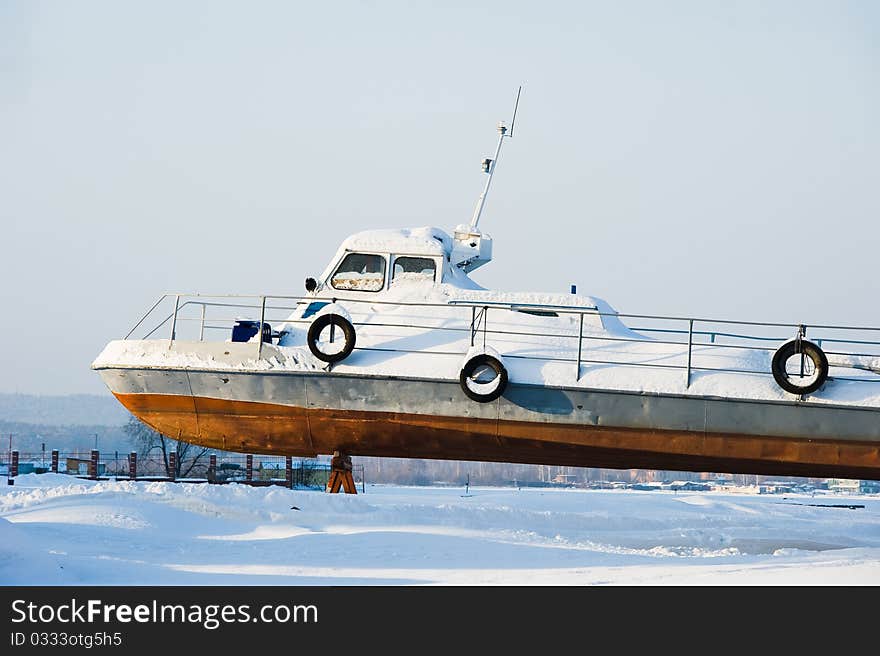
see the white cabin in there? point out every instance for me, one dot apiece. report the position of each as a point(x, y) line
point(371, 261)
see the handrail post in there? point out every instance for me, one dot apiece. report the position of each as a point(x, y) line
point(690, 351)
point(485, 324)
point(473, 323)
point(580, 344)
point(260, 333)
point(202, 325)
point(174, 320)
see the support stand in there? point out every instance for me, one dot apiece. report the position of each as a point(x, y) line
point(340, 474)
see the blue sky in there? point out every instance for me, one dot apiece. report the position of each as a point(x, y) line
point(697, 158)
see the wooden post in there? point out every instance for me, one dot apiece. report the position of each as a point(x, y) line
point(340, 474)
point(93, 465)
point(132, 466)
point(212, 468)
point(54, 466)
point(249, 468)
point(172, 465)
point(288, 471)
point(13, 465)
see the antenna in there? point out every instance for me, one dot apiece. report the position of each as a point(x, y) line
point(490, 164)
point(515, 107)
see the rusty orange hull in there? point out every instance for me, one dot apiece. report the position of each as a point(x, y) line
point(308, 430)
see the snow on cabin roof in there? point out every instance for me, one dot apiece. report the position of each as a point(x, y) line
point(421, 241)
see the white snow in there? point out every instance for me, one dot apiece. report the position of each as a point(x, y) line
point(241, 356)
point(425, 240)
point(353, 280)
point(610, 360)
point(405, 277)
point(59, 530)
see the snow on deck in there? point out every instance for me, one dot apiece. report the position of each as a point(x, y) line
point(537, 350)
point(59, 530)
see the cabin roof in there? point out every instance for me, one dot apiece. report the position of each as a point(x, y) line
point(420, 241)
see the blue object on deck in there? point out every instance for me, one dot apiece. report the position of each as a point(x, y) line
point(244, 329)
point(314, 308)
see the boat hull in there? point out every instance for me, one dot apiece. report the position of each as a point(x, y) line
point(306, 414)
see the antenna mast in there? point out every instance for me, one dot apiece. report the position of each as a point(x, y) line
point(489, 164)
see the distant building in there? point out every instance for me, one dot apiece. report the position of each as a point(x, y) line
point(776, 487)
point(690, 486)
point(23, 468)
point(650, 486)
point(80, 466)
point(565, 480)
point(849, 486)
point(869, 487)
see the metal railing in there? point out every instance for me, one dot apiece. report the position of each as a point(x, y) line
point(698, 337)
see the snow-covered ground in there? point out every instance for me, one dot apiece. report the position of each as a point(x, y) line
point(58, 530)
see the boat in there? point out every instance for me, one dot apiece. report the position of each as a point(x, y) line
point(394, 350)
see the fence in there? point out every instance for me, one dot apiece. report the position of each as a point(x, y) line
point(223, 468)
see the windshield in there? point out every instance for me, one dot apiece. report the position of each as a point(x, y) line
point(360, 272)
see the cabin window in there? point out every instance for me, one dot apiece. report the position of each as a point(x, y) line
point(414, 268)
point(360, 272)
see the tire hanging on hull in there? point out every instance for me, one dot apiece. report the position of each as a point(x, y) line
point(483, 378)
point(811, 371)
point(319, 349)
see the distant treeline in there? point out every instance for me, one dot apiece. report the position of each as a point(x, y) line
point(407, 471)
point(85, 410)
point(29, 438)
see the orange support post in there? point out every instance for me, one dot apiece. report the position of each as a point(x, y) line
point(340, 474)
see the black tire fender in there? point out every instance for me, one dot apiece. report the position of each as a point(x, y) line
point(811, 352)
point(322, 322)
point(472, 389)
